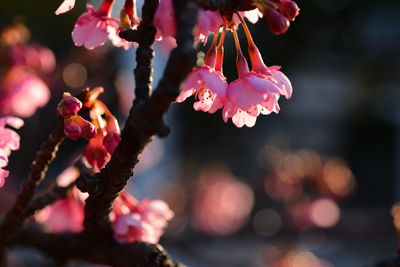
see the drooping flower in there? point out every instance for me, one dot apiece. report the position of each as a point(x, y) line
point(139, 221)
point(69, 106)
point(9, 140)
point(258, 66)
point(206, 83)
point(67, 214)
point(93, 27)
point(250, 95)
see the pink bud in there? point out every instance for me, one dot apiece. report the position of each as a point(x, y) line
point(289, 9)
point(89, 131)
point(72, 129)
point(69, 106)
point(277, 23)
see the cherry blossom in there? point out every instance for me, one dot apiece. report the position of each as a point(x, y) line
point(93, 27)
point(139, 221)
point(22, 92)
point(9, 140)
point(66, 214)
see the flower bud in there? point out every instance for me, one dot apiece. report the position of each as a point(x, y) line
point(69, 106)
point(289, 9)
point(277, 23)
point(71, 128)
point(89, 131)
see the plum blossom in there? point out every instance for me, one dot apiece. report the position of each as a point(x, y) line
point(67, 214)
point(9, 140)
point(139, 221)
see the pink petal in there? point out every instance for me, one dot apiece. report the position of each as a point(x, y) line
point(214, 81)
point(3, 175)
point(14, 122)
point(243, 95)
point(243, 118)
point(262, 84)
point(91, 34)
point(66, 6)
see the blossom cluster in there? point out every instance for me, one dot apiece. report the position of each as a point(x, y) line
point(102, 130)
point(22, 90)
point(9, 140)
point(256, 91)
point(132, 220)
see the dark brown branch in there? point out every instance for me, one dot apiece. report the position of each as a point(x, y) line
point(55, 193)
point(144, 121)
point(17, 214)
point(144, 53)
point(65, 247)
point(227, 6)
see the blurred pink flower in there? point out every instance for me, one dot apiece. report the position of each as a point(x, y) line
point(67, 214)
point(22, 92)
point(164, 20)
point(139, 221)
point(65, 6)
point(33, 55)
point(93, 27)
point(221, 203)
point(9, 140)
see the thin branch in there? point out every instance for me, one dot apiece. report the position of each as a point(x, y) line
point(55, 193)
point(144, 121)
point(69, 246)
point(227, 6)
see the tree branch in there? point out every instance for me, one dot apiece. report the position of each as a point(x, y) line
point(55, 193)
point(69, 246)
point(144, 121)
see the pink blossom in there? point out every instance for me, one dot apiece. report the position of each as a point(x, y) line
point(22, 92)
point(76, 126)
point(164, 19)
point(273, 73)
point(113, 137)
point(65, 6)
point(207, 21)
point(32, 55)
point(67, 214)
point(9, 140)
point(96, 154)
point(250, 95)
point(139, 221)
point(208, 85)
point(93, 27)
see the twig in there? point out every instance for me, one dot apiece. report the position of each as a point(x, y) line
point(55, 193)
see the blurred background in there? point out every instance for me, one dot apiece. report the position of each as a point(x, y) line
point(310, 187)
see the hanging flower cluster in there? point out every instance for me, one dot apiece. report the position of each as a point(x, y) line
point(102, 131)
point(132, 220)
point(22, 90)
point(9, 140)
point(256, 91)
